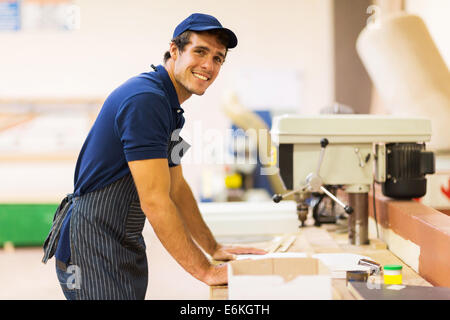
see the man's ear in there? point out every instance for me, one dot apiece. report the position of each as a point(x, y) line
point(173, 51)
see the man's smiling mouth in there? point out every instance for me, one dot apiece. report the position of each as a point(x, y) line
point(199, 76)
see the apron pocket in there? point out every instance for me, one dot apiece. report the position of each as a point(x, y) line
point(51, 242)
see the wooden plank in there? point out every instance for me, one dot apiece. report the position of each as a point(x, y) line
point(326, 239)
point(416, 233)
point(320, 240)
point(287, 242)
point(218, 293)
point(274, 245)
point(340, 290)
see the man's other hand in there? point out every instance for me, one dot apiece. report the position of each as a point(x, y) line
point(225, 253)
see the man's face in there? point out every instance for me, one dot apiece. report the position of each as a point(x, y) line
point(196, 68)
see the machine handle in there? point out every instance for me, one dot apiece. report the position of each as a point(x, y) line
point(347, 208)
point(323, 143)
point(278, 197)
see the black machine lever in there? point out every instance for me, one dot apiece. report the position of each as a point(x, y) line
point(278, 197)
point(323, 143)
point(347, 208)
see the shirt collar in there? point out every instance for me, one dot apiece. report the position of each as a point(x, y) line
point(169, 87)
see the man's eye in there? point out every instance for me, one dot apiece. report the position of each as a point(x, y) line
point(219, 60)
point(200, 52)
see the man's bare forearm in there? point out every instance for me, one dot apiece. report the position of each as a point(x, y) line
point(172, 233)
point(188, 208)
point(152, 180)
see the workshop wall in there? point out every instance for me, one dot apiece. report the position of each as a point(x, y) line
point(119, 39)
point(122, 38)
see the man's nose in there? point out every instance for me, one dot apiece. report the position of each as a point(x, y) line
point(208, 63)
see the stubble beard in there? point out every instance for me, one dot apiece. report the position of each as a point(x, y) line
point(190, 91)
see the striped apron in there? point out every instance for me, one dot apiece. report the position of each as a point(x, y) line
point(106, 242)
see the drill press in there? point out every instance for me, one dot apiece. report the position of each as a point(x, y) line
point(351, 151)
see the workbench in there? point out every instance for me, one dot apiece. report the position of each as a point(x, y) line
point(332, 238)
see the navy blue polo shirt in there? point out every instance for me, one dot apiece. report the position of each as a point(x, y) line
point(138, 121)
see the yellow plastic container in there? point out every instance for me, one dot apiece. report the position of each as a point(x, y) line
point(392, 274)
point(233, 181)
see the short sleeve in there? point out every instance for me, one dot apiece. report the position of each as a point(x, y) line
point(143, 126)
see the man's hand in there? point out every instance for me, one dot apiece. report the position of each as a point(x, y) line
point(217, 275)
point(225, 253)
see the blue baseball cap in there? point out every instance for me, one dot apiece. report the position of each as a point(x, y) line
point(203, 22)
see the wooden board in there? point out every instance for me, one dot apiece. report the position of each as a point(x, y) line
point(331, 239)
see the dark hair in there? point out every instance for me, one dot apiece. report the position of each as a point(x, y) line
point(183, 39)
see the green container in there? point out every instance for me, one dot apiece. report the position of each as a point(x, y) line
point(25, 224)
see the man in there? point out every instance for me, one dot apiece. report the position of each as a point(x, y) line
point(128, 169)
